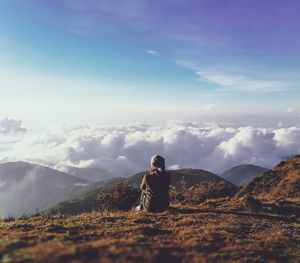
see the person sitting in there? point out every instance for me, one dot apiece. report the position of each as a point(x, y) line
point(155, 187)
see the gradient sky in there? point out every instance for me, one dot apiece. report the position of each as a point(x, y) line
point(114, 61)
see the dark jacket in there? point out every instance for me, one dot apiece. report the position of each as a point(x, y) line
point(156, 187)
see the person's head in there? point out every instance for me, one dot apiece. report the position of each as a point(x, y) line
point(157, 163)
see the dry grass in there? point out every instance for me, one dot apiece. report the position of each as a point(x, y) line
point(283, 182)
point(213, 231)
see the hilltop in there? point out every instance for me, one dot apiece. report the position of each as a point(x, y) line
point(242, 174)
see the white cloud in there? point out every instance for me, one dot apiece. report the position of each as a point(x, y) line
point(11, 126)
point(174, 167)
point(125, 150)
point(289, 110)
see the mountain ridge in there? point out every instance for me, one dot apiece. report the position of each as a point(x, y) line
point(91, 174)
point(243, 173)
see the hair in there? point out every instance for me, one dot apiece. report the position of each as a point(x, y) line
point(157, 164)
point(152, 171)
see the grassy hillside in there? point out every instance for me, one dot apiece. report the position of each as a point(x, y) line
point(207, 233)
point(280, 183)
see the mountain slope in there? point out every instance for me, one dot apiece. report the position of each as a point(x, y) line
point(243, 174)
point(91, 174)
point(25, 187)
point(87, 201)
point(280, 183)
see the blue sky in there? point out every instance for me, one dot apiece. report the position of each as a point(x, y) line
point(147, 61)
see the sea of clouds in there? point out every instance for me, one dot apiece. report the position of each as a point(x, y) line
point(126, 149)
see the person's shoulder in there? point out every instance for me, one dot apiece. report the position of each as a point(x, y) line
point(146, 175)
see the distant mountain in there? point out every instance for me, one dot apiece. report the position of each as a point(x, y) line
point(91, 174)
point(280, 183)
point(243, 174)
point(87, 201)
point(25, 187)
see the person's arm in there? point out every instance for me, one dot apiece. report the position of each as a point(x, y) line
point(143, 184)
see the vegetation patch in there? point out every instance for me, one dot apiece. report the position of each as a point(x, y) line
point(120, 197)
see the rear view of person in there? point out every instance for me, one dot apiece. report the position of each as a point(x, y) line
point(155, 186)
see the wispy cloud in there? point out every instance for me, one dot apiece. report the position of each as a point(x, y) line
point(241, 83)
point(235, 79)
point(151, 52)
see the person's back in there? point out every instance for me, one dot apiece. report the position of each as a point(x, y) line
point(155, 186)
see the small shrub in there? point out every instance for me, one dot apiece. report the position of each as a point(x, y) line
point(119, 197)
point(9, 218)
point(178, 193)
point(24, 216)
point(36, 213)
